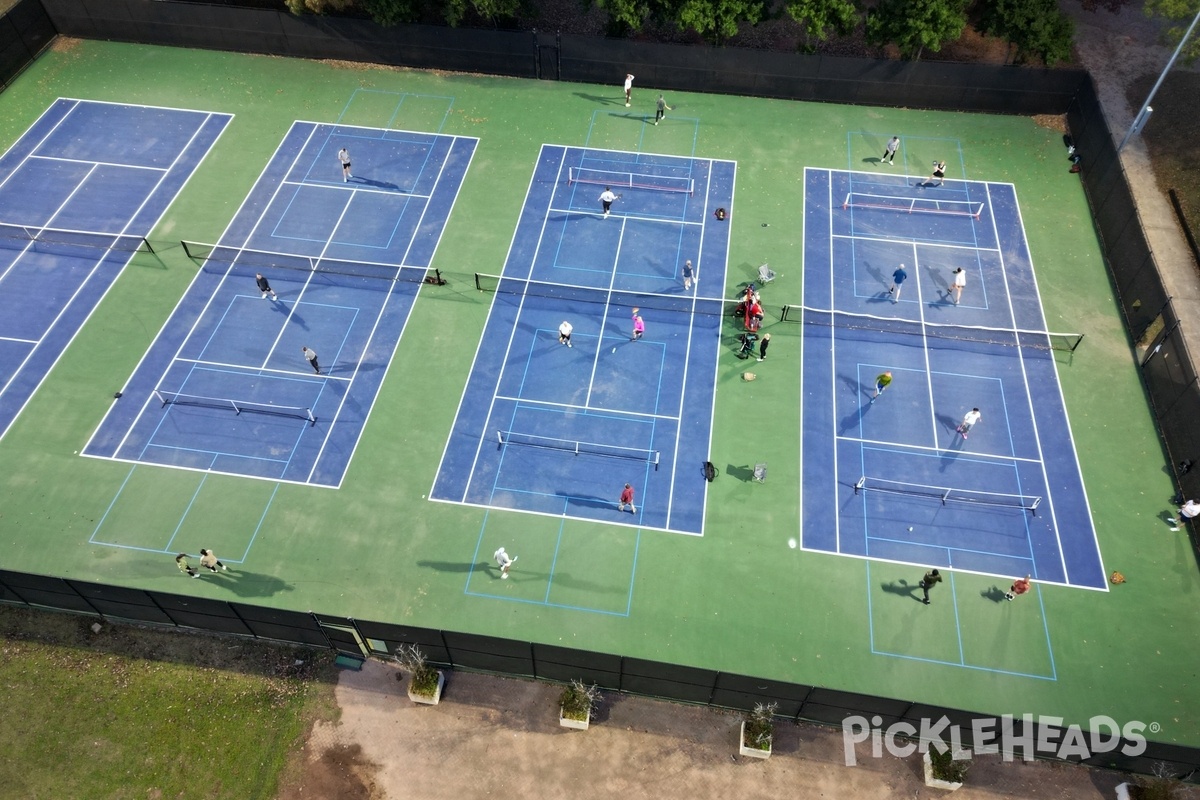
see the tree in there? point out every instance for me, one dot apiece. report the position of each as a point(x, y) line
point(486, 9)
point(1032, 28)
point(819, 18)
point(717, 20)
point(1181, 12)
point(630, 14)
point(391, 12)
point(916, 25)
point(298, 7)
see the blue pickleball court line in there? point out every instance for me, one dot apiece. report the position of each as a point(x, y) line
point(240, 345)
point(910, 430)
point(82, 166)
point(604, 376)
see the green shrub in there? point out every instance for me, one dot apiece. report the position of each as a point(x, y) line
point(946, 768)
point(760, 726)
point(578, 700)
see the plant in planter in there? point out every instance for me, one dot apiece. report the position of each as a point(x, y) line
point(427, 682)
point(946, 769)
point(576, 704)
point(758, 731)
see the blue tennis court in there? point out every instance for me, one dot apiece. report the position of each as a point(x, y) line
point(894, 479)
point(227, 387)
point(79, 192)
point(556, 430)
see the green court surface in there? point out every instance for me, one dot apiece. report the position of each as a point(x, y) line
point(738, 598)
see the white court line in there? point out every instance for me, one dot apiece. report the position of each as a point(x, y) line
point(921, 243)
point(520, 308)
point(937, 450)
point(665, 220)
point(1037, 438)
point(356, 188)
point(550, 404)
point(252, 369)
point(33, 156)
point(1062, 399)
point(40, 142)
point(81, 284)
point(19, 340)
point(212, 297)
point(612, 281)
point(374, 328)
point(479, 344)
point(204, 470)
point(631, 525)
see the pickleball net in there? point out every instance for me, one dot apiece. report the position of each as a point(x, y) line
point(258, 260)
point(616, 179)
point(946, 494)
point(682, 303)
point(894, 327)
point(914, 205)
point(69, 242)
point(578, 447)
point(236, 406)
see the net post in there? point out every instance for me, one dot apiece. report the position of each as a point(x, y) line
point(860, 484)
point(846, 203)
point(480, 288)
point(161, 399)
point(656, 454)
point(237, 410)
point(499, 435)
point(570, 175)
point(1037, 501)
point(146, 242)
point(312, 420)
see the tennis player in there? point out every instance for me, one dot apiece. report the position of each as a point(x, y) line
point(969, 419)
point(898, 279)
point(660, 109)
point(882, 381)
point(939, 174)
point(627, 499)
point(504, 561)
point(344, 158)
point(311, 357)
point(628, 88)
point(264, 286)
point(606, 199)
point(639, 326)
point(181, 561)
point(209, 560)
point(889, 153)
point(960, 283)
point(1019, 587)
point(564, 333)
point(1189, 510)
point(689, 275)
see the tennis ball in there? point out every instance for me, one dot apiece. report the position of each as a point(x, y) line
point(910, 528)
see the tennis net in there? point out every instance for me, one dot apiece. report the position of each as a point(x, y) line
point(578, 447)
point(914, 205)
point(236, 406)
point(948, 495)
point(1009, 337)
point(68, 242)
point(585, 294)
point(266, 259)
point(632, 180)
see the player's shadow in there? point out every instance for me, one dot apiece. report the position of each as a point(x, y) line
point(629, 117)
point(249, 584)
point(453, 566)
point(938, 279)
point(294, 316)
point(993, 593)
point(581, 501)
point(903, 588)
point(854, 419)
point(376, 184)
point(951, 453)
point(601, 99)
point(884, 281)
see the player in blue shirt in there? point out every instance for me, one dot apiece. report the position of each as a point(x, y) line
point(898, 279)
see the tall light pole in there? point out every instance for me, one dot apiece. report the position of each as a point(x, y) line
point(1144, 114)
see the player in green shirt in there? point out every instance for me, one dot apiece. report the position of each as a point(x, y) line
point(882, 381)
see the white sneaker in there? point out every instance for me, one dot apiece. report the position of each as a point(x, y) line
point(632, 509)
point(504, 576)
point(568, 344)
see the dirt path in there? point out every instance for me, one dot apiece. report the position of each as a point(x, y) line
point(499, 738)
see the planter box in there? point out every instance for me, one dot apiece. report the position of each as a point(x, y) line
point(1123, 791)
point(428, 699)
point(577, 724)
point(752, 752)
point(937, 783)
